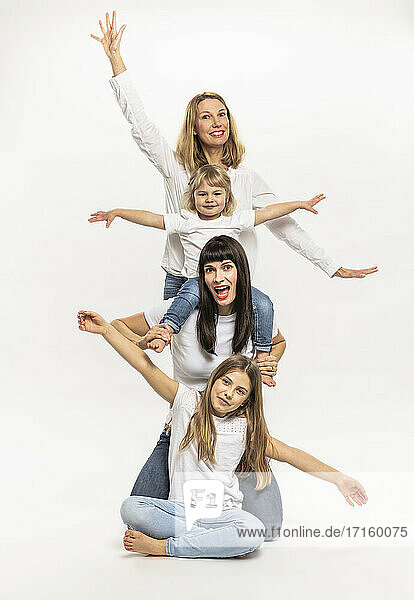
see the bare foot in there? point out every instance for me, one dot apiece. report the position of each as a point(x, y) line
point(268, 380)
point(157, 345)
point(136, 541)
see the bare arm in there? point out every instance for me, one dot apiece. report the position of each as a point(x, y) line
point(158, 380)
point(140, 217)
point(136, 329)
point(274, 211)
point(349, 488)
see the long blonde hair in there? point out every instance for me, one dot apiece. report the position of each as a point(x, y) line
point(214, 176)
point(189, 151)
point(201, 427)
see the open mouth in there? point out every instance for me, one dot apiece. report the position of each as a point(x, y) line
point(222, 291)
point(217, 134)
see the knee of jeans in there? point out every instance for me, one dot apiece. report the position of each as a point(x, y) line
point(130, 509)
point(255, 529)
point(191, 285)
point(273, 529)
point(261, 301)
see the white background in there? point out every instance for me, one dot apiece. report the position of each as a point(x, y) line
point(323, 94)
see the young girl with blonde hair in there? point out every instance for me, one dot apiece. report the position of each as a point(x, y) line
point(208, 136)
point(214, 433)
point(208, 211)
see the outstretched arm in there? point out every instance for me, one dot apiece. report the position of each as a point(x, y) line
point(158, 380)
point(140, 217)
point(287, 230)
point(351, 489)
point(136, 329)
point(274, 211)
point(144, 132)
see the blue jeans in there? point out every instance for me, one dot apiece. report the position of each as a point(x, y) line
point(172, 285)
point(266, 504)
point(187, 299)
point(208, 538)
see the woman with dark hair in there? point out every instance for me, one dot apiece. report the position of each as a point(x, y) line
point(216, 432)
point(212, 333)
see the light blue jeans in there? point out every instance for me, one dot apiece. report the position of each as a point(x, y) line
point(187, 297)
point(235, 532)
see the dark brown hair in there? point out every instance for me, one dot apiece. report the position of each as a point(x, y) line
point(217, 249)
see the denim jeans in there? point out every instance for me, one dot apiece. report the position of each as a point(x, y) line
point(187, 299)
point(265, 504)
point(172, 285)
point(208, 538)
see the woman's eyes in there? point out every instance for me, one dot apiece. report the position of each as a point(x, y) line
point(220, 115)
point(241, 392)
point(208, 270)
point(227, 267)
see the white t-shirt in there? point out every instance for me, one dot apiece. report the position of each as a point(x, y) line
point(184, 465)
point(249, 189)
point(194, 233)
point(192, 365)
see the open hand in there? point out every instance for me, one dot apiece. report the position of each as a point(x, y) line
point(108, 216)
point(91, 322)
point(111, 39)
point(352, 490)
point(309, 204)
point(354, 273)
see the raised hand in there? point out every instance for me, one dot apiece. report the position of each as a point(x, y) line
point(309, 204)
point(111, 39)
point(100, 215)
point(91, 322)
point(352, 490)
point(354, 273)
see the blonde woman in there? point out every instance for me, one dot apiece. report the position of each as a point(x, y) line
point(210, 205)
point(208, 136)
point(209, 439)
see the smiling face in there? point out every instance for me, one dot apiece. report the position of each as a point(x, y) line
point(212, 124)
point(221, 280)
point(229, 392)
point(209, 201)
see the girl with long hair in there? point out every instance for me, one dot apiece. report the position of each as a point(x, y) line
point(214, 331)
point(210, 206)
point(208, 136)
point(214, 433)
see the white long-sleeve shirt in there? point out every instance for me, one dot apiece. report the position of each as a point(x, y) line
point(248, 188)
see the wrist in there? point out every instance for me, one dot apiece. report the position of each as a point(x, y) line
point(337, 477)
point(142, 343)
point(107, 329)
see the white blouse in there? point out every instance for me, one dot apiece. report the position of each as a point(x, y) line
point(184, 464)
point(248, 188)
